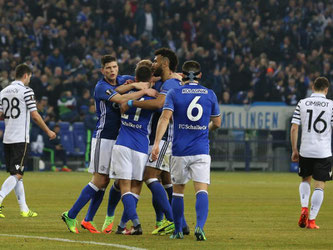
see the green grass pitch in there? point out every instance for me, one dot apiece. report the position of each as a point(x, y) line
point(246, 211)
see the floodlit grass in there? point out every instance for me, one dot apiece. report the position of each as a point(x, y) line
point(246, 211)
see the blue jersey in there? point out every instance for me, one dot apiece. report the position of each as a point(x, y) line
point(193, 105)
point(135, 128)
point(107, 112)
point(163, 89)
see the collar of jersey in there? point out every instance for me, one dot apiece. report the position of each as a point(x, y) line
point(318, 95)
point(192, 83)
point(18, 82)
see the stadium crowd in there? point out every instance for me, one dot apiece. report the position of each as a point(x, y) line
point(253, 50)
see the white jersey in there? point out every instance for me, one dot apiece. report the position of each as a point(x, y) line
point(315, 115)
point(16, 103)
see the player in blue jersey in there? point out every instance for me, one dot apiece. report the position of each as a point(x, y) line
point(165, 63)
point(194, 110)
point(130, 155)
point(114, 194)
point(105, 134)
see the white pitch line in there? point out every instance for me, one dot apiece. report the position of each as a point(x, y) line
point(73, 241)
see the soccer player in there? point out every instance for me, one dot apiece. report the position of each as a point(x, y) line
point(105, 134)
point(165, 63)
point(17, 104)
point(315, 115)
point(194, 110)
point(130, 155)
point(114, 194)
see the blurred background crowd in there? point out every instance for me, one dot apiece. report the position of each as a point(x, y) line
point(250, 50)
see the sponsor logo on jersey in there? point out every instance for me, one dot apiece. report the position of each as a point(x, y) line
point(109, 91)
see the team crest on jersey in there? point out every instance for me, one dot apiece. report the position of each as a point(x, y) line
point(109, 91)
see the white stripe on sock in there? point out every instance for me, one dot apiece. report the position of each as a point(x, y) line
point(151, 180)
point(205, 191)
point(92, 185)
point(178, 195)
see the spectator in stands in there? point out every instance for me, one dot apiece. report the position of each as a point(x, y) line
point(67, 107)
point(56, 59)
point(84, 102)
point(59, 151)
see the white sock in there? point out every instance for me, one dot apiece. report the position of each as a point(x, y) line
point(20, 195)
point(7, 187)
point(304, 193)
point(316, 201)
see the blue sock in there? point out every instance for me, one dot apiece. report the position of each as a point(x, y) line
point(169, 189)
point(158, 211)
point(114, 198)
point(201, 208)
point(178, 211)
point(124, 217)
point(129, 207)
point(94, 205)
point(160, 197)
point(87, 193)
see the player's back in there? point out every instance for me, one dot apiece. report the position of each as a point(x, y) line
point(193, 105)
point(16, 101)
point(135, 128)
point(314, 114)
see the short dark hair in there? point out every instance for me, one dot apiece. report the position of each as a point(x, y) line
point(106, 59)
point(143, 74)
point(168, 53)
point(191, 66)
point(321, 83)
point(22, 69)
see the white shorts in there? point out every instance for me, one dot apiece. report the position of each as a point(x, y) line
point(194, 167)
point(163, 161)
point(127, 164)
point(100, 155)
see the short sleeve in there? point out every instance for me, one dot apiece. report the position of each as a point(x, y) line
point(169, 84)
point(29, 98)
point(105, 92)
point(168, 104)
point(215, 107)
point(1, 109)
point(297, 114)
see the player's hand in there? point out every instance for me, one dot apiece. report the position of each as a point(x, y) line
point(295, 156)
point(154, 153)
point(51, 135)
point(141, 85)
point(128, 81)
point(176, 76)
point(156, 78)
point(123, 107)
point(151, 92)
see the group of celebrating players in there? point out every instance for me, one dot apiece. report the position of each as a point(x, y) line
point(130, 144)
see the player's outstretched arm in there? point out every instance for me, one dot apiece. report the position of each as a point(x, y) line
point(122, 89)
point(160, 130)
point(293, 139)
point(135, 95)
point(151, 104)
point(215, 122)
point(39, 121)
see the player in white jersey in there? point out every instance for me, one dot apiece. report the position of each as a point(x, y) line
point(17, 103)
point(315, 115)
point(194, 110)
